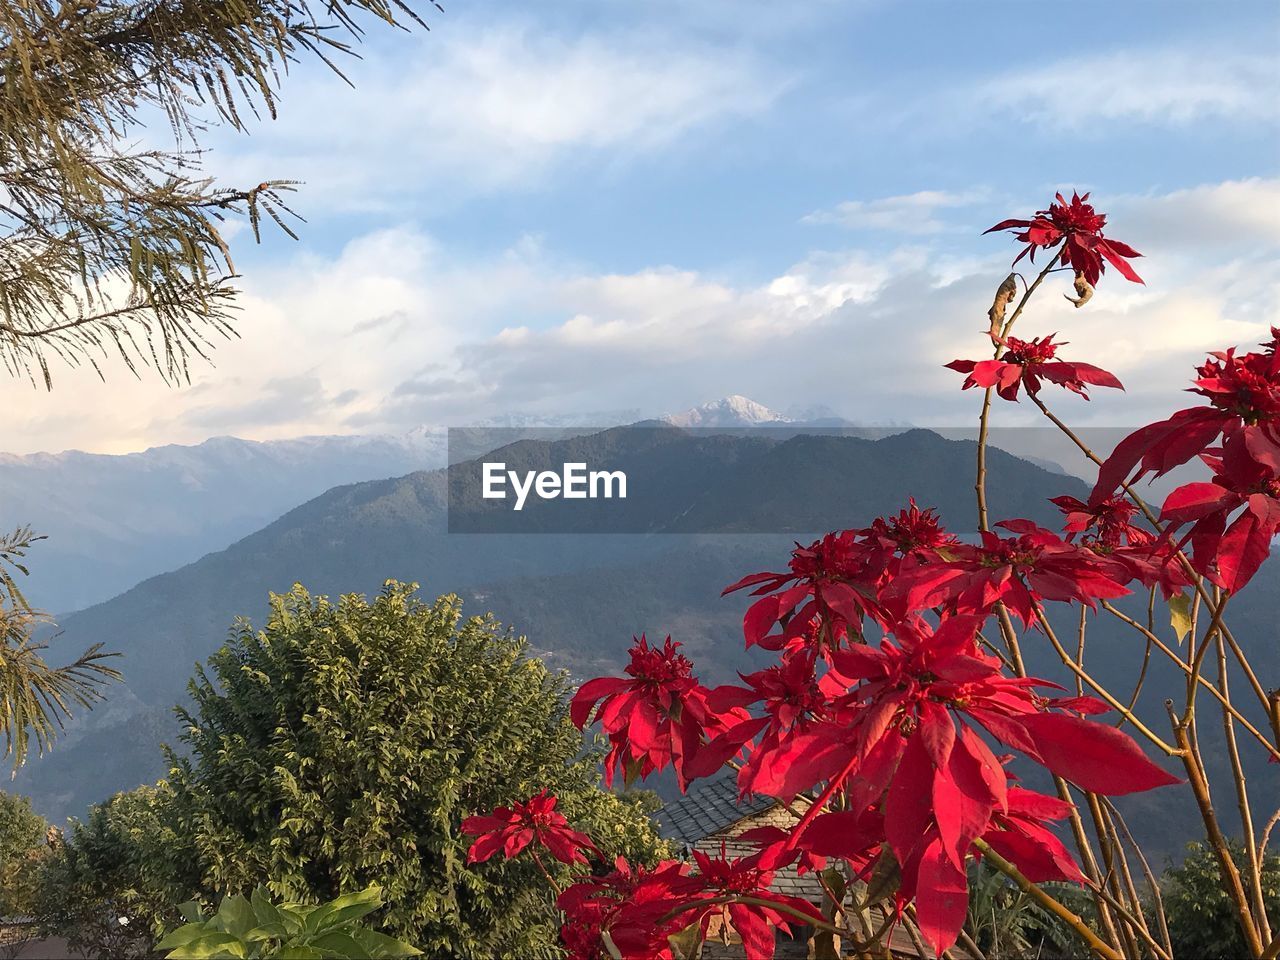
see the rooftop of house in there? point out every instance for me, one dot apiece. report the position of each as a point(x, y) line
point(709, 807)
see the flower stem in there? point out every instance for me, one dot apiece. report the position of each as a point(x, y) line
point(1049, 903)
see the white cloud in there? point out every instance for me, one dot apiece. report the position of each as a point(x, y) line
point(393, 333)
point(912, 213)
point(1170, 86)
point(1242, 214)
point(473, 110)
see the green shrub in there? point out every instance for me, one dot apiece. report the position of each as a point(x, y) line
point(258, 928)
point(125, 862)
point(339, 748)
point(1202, 922)
point(22, 848)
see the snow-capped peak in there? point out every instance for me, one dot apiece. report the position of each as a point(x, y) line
point(734, 411)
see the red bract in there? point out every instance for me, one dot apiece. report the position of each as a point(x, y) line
point(908, 695)
point(1105, 524)
point(511, 829)
point(1018, 834)
point(632, 906)
point(1228, 552)
point(901, 746)
point(1020, 571)
point(910, 533)
point(834, 582)
point(1244, 411)
point(942, 787)
point(1017, 831)
point(792, 699)
point(821, 582)
point(654, 720)
point(1106, 528)
point(1079, 226)
point(722, 879)
point(1027, 362)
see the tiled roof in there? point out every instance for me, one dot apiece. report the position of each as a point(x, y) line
point(711, 808)
point(707, 808)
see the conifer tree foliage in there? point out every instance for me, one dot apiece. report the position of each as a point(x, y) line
point(108, 246)
point(342, 746)
point(109, 229)
point(35, 698)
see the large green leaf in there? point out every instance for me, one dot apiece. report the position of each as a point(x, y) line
point(236, 916)
point(344, 909)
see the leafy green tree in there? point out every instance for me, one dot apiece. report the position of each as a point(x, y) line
point(109, 248)
point(21, 828)
point(1202, 921)
point(341, 747)
point(116, 881)
point(21, 847)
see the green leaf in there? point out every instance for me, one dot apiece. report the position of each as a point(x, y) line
point(345, 909)
point(212, 945)
point(268, 931)
point(191, 912)
point(266, 911)
point(183, 935)
point(294, 917)
point(379, 945)
point(298, 951)
point(236, 916)
point(340, 945)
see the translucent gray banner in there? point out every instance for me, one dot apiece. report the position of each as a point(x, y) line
point(652, 478)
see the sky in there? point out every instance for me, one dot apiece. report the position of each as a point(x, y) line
point(592, 205)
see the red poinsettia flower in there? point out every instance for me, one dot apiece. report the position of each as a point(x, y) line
point(632, 906)
point(511, 829)
point(1020, 571)
point(1244, 411)
point(654, 720)
point(832, 584)
point(1107, 529)
point(1228, 552)
point(925, 784)
point(911, 532)
point(754, 922)
point(1027, 362)
point(906, 692)
point(1106, 524)
point(792, 699)
point(823, 581)
point(939, 784)
point(1079, 227)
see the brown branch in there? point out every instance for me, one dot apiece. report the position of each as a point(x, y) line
point(1253, 867)
point(1100, 690)
point(1230, 875)
point(1156, 897)
point(1173, 657)
point(1049, 903)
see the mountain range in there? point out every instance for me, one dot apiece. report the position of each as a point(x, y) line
point(354, 537)
point(112, 521)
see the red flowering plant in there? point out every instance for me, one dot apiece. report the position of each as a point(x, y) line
point(1077, 227)
point(1027, 363)
point(511, 829)
point(887, 730)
